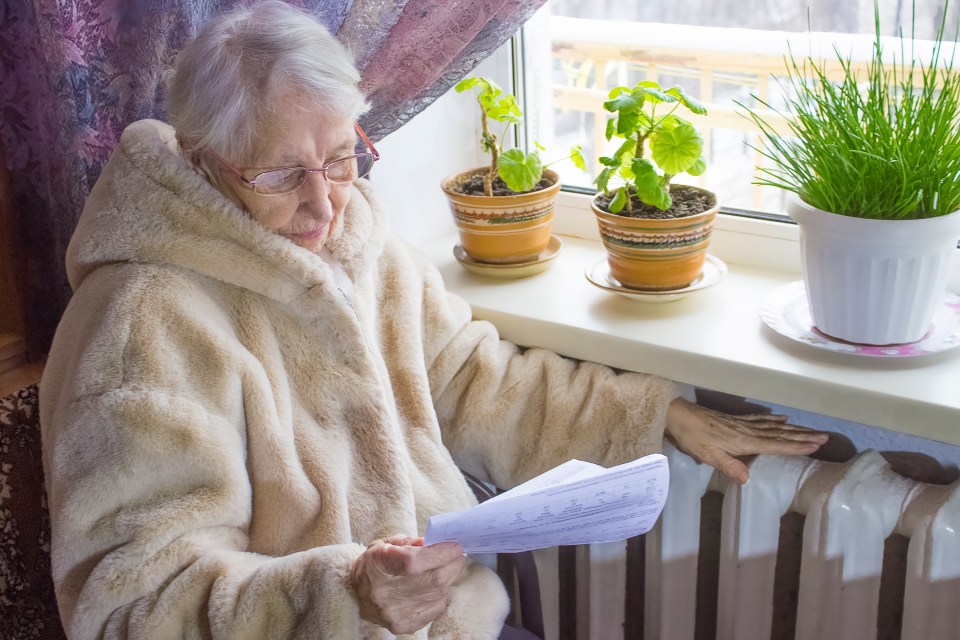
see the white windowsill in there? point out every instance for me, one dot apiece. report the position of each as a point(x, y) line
point(714, 338)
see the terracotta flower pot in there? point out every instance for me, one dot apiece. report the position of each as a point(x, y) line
point(502, 229)
point(656, 253)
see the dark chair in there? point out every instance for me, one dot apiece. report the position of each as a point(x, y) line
point(28, 607)
point(519, 574)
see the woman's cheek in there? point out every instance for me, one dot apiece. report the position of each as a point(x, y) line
point(278, 215)
point(340, 202)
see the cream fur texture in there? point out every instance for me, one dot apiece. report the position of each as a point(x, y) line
point(224, 432)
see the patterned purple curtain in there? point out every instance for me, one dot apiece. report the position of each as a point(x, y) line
point(74, 73)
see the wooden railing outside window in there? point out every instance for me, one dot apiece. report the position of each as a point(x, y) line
point(718, 66)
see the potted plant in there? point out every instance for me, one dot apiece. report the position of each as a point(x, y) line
point(872, 165)
point(656, 233)
point(503, 211)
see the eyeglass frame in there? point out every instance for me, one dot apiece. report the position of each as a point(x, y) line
point(252, 185)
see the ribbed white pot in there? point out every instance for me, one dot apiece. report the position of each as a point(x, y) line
point(874, 281)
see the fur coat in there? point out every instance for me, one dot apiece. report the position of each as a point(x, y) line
point(224, 430)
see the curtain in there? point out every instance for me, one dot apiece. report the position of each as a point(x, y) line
point(75, 73)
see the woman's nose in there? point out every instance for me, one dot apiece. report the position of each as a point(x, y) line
point(316, 192)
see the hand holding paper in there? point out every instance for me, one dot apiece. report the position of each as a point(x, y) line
point(575, 503)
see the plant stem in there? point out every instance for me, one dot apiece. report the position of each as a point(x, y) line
point(491, 141)
point(638, 153)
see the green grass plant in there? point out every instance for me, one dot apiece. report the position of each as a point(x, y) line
point(883, 147)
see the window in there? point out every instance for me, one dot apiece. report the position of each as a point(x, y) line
point(720, 51)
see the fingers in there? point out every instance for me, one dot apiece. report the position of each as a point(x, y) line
point(762, 417)
point(444, 576)
point(402, 541)
point(402, 585)
point(409, 560)
point(774, 447)
point(732, 468)
point(747, 441)
point(778, 433)
point(767, 422)
point(716, 438)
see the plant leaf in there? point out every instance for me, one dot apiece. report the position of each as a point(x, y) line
point(628, 107)
point(678, 149)
point(603, 179)
point(576, 156)
point(607, 161)
point(489, 90)
point(611, 128)
point(652, 188)
point(626, 101)
point(672, 121)
point(655, 92)
point(659, 198)
point(690, 103)
point(616, 205)
point(617, 91)
point(489, 94)
point(698, 167)
point(520, 171)
point(466, 83)
point(505, 110)
point(646, 177)
point(627, 147)
point(626, 163)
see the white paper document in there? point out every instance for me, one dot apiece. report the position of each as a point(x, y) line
point(575, 503)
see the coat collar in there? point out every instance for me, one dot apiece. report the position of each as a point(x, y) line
point(149, 206)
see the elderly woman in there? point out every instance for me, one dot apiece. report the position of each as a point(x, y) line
point(258, 395)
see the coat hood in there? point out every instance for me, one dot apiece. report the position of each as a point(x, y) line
point(149, 206)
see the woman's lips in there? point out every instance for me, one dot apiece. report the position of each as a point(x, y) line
point(308, 235)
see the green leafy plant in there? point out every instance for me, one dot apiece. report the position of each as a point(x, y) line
point(675, 144)
point(520, 171)
point(886, 146)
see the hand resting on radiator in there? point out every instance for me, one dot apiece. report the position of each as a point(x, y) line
point(717, 438)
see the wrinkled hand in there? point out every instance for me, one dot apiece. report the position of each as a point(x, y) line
point(715, 438)
point(403, 585)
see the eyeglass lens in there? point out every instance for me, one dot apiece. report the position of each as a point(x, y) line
point(282, 181)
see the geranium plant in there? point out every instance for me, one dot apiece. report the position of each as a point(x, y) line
point(519, 170)
point(645, 118)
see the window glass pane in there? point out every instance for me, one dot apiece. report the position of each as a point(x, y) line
point(719, 51)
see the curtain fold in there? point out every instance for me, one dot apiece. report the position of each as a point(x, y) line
point(75, 73)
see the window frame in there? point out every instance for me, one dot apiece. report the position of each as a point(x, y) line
point(522, 135)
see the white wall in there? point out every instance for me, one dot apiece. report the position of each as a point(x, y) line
point(443, 139)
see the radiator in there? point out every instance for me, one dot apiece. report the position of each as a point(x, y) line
point(806, 550)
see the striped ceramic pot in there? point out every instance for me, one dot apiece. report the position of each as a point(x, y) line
point(502, 229)
point(656, 253)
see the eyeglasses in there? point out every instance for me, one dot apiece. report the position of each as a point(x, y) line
point(284, 180)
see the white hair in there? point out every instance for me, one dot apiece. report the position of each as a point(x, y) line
point(229, 85)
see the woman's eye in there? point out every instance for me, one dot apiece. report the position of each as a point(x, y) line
point(277, 178)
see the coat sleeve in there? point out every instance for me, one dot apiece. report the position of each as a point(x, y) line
point(143, 411)
point(150, 502)
point(508, 413)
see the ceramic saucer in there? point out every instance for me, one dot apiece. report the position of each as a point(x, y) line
point(516, 270)
point(713, 271)
point(786, 311)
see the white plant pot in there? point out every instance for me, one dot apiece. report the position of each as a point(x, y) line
point(874, 281)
